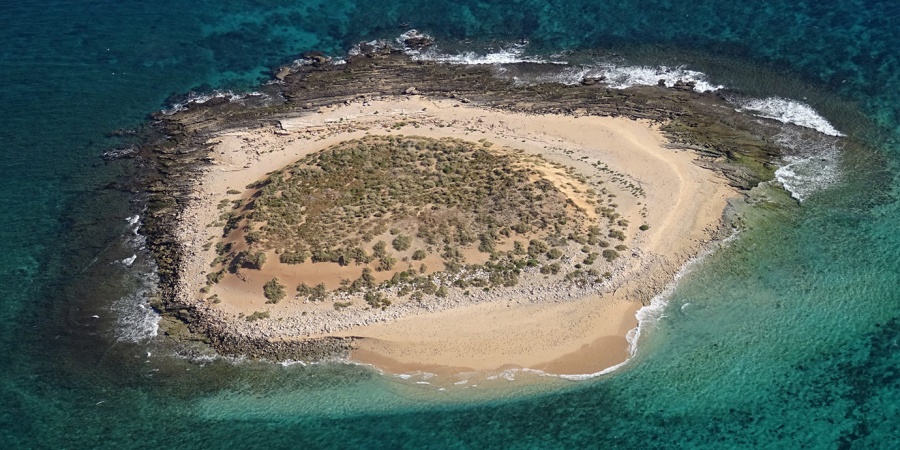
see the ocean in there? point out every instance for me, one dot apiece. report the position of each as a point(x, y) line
point(786, 336)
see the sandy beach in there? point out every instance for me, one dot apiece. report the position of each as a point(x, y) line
point(540, 324)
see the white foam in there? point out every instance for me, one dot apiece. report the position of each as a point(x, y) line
point(356, 50)
point(512, 54)
point(788, 111)
point(291, 362)
point(136, 320)
point(200, 99)
point(588, 376)
point(412, 34)
point(622, 77)
point(508, 375)
point(811, 165)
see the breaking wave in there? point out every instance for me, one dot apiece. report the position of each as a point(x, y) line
point(811, 163)
point(622, 77)
point(136, 321)
point(788, 111)
point(512, 54)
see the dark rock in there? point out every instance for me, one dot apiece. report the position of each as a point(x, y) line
point(684, 85)
point(415, 40)
point(317, 59)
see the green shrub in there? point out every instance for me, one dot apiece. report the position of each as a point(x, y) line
point(341, 305)
point(644, 227)
point(223, 248)
point(367, 279)
point(518, 248)
point(401, 242)
point(379, 248)
point(550, 269)
point(215, 277)
point(610, 254)
point(536, 248)
point(253, 237)
point(429, 287)
point(255, 260)
point(386, 262)
point(318, 293)
point(274, 291)
point(293, 257)
point(257, 315)
point(248, 260)
point(485, 244)
point(419, 255)
point(521, 228)
point(376, 300)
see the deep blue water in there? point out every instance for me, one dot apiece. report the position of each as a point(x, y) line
point(789, 337)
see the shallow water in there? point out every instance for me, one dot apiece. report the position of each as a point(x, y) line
point(786, 337)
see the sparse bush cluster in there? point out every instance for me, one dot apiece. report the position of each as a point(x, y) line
point(313, 294)
point(434, 197)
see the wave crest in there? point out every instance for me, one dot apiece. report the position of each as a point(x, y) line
point(788, 111)
point(622, 77)
point(512, 54)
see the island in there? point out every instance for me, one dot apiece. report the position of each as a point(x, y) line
point(420, 216)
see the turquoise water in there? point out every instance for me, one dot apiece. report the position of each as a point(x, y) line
point(788, 337)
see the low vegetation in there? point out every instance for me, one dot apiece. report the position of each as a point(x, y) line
point(383, 203)
point(257, 315)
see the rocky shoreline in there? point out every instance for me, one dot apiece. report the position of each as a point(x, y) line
point(175, 152)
